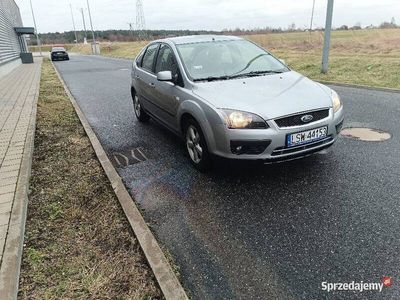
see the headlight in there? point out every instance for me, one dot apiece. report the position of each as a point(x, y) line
point(336, 103)
point(243, 120)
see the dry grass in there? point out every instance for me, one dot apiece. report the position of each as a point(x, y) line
point(78, 243)
point(367, 57)
point(123, 50)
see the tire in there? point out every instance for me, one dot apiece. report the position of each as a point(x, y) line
point(140, 113)
point(196, 146)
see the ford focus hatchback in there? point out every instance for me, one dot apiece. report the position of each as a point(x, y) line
point(228, 97)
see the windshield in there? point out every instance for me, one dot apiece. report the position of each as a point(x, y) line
point(58, 49)
point(226, 59)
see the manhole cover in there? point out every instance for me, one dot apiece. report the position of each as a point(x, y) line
point(366, 134)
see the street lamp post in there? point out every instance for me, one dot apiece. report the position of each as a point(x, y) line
point(36, 32)
point(327, 39)
point(73, 23)
point(84, 26)
point(94, 46)
point(312, 15)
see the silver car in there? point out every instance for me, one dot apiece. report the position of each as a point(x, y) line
point(228, 97)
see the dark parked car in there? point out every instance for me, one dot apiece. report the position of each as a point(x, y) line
point(59, 53)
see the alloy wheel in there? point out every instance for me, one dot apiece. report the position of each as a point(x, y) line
point(137, 106)
point(193, 144)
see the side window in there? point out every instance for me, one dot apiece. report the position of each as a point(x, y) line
point(139, 59)
point(149, 56)
point(166, 61)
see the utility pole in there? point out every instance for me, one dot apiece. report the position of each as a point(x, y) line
point(84, 26)
point(36, 31)
point(312, 15)
point(327, 39)
point(94, 47)
point(73, 23)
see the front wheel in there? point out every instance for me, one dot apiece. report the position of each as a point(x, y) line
point(141, 115)
point(196, 146)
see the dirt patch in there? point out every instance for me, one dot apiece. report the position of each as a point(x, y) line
point(78, 244)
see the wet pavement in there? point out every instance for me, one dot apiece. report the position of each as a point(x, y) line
point(248, 231)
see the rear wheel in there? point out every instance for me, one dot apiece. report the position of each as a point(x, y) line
point(141, 115)
point(196, 146)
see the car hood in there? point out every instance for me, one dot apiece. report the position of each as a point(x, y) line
point(269, 96)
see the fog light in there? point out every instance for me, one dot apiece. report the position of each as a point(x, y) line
point(249, 147)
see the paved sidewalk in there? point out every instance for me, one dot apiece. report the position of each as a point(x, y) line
point(18, 97)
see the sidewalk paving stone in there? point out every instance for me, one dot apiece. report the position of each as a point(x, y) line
point(18, 99)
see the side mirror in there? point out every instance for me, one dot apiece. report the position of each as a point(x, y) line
point(282, 61)
point(165, 76)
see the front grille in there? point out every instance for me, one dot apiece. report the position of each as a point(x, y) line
point(296, 119)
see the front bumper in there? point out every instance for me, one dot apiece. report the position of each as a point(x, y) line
point(60, 57)
point(270, 144)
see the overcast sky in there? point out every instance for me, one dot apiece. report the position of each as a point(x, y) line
point(54, 16)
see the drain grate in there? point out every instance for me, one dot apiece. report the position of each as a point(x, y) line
point(128, 157)
point(366, 134)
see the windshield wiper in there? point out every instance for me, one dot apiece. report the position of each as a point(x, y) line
point(213, 78)
point(248, 74)
point(256, 73)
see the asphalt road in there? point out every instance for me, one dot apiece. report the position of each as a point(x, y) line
point(259, 232)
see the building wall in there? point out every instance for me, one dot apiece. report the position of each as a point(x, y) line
point(10, 17)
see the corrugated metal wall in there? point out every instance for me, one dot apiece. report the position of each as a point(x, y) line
point(10, 17)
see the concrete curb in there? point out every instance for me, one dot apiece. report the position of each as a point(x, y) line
point(356, 86)
point(15, 239)
point(168, 282)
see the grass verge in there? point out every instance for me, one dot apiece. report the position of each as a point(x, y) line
point(78, 242)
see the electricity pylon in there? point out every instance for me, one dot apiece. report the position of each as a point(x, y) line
point(140, 21)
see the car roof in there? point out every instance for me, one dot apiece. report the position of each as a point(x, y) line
point(58, 48)
point(190, 39)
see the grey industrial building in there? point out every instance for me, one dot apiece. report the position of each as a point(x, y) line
point(13, 47)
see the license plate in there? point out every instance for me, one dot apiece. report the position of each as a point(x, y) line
point(305, 137)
